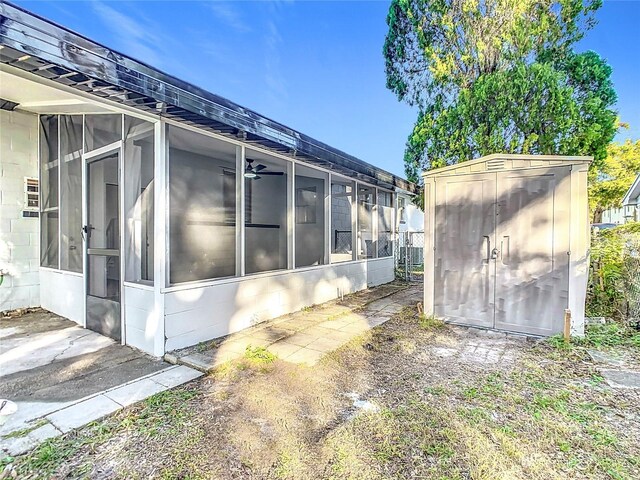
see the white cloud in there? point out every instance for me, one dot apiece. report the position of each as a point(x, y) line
point(227, 13)
point(137, 36)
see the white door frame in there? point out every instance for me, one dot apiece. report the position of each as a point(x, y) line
point(95, 155)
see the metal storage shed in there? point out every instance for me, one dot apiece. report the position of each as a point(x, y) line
point(507, 242)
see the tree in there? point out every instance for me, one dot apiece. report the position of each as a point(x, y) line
point(493, 76)
point(609, 182)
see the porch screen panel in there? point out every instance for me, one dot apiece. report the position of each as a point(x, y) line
point(385, 224)
point(202, 204)
point(71, 192)
point(266, 219)
point(49, 220)
point(102, 130)
point(138, 199)
point(366, 202)
point(310, 195)
point(341, 220)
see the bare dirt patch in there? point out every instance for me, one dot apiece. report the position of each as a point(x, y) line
point(412, 398)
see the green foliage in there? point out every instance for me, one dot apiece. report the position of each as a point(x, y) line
point(609, 279)
point(498, 76)
point(430, 323)
point(259, 355)
point(611, 179)
point(612, 334)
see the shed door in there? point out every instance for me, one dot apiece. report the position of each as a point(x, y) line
point(532, 263)
point(501, 243)
point(465, 228)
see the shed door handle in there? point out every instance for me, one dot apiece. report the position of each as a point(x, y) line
point(488, 255)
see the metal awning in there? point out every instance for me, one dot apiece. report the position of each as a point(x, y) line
point(43, 48)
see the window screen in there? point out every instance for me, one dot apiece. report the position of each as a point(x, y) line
point(385, 224)
point(341, 220)
point(265, 213)
point(202, 207)
point(138, 199)
point(49, 221)
point(366, 203)
point(101, 130)
point(311, 192)
point(71, 192)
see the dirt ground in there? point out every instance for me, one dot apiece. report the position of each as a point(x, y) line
point(412, 398)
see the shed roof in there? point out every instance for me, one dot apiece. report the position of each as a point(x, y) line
point(506, 161)
point(39, 46)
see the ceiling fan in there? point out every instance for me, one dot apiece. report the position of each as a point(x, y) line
point(254, 173)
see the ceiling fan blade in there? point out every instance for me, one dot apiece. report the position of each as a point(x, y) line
point(257, 177)
point(259, 167)
point(271, 173)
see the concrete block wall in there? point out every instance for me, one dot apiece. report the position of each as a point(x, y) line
point(19, 236)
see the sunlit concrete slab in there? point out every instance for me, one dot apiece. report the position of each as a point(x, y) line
point(304, 337)
point(62, 376)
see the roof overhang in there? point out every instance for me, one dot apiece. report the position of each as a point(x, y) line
point(45, 49)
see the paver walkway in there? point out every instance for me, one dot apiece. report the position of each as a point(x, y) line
point(304, 337)
point(62, 376)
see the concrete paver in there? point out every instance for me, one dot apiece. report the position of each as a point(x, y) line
point(175, 376)
point(306, 356)
point(81, 413)
point(622, 378)
point(303, 337)
point(283, 349)
point(20, 445)
point(135, 391)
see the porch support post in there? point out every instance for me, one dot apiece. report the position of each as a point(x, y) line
point(291, 243)
point(160, 234)
point(327, 219)
point(240, 211)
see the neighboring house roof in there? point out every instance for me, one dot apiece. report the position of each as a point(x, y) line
point(39, 46)
point(631, 197)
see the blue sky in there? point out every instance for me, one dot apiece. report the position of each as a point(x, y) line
point(314, 66)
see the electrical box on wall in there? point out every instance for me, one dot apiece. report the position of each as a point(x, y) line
point(31, 197)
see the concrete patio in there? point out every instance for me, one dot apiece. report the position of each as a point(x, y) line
point(62, 376)
point(304, 337)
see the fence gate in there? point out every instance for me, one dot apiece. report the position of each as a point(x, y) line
point(410, 256)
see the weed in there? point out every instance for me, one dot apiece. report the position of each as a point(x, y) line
point(430, 323)
point(437, 391)
point(611, 334)
point(259, 355)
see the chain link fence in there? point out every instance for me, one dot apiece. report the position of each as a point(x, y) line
point(409, 256)
point(631, 277)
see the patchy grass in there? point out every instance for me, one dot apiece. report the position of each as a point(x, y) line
point(540, 414)
point(159, 416)
point(430, 323)
point(26, 431)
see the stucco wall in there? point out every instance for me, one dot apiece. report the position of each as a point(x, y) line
point(19, 237)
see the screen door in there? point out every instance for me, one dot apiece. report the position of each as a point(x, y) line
point(102, 233)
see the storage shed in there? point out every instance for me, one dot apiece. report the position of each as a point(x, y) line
point(507, 242)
